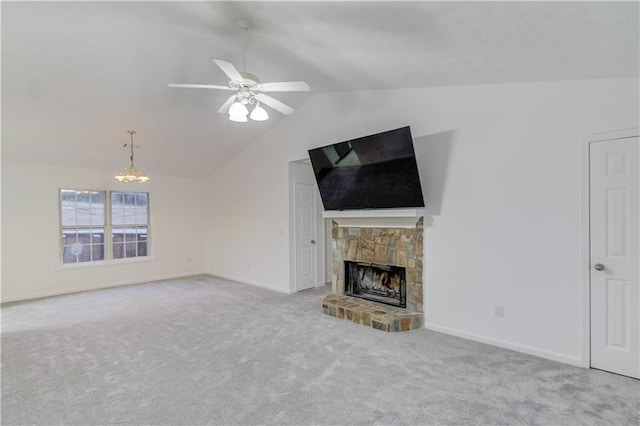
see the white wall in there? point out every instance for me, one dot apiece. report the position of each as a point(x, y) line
point(30, 231)
point(503, 179)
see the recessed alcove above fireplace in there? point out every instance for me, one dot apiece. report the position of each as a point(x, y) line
point(390, 255)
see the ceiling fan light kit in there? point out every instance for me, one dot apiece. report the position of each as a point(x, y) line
point(249, 90)
point(238, 117)
point(259, 113)
point(238, 112)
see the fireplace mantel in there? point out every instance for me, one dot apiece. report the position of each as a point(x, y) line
point(379, 218)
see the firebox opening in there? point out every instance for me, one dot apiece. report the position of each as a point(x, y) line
point(378, 283)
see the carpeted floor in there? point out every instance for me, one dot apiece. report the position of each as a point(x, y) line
point(209, 351)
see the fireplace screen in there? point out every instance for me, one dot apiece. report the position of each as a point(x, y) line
point(378, 283)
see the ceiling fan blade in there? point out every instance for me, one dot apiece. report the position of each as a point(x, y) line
point(225, 106)
point(199, 86)
point(228, 69)
point(275, 104)
point(286, 86)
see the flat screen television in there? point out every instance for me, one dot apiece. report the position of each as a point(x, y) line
point(372, 172)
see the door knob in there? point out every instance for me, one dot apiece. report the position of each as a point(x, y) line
point(313, 241)
point(598, 267)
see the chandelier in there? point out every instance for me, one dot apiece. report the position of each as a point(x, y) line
point(131, 174)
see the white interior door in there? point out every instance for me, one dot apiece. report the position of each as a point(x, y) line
point(306, 226)
point(615, 256)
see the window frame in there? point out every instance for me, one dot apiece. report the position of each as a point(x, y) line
point(126, 226)
point(77, 227)
point(108, 231)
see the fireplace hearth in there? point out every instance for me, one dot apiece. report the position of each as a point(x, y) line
point(378, 283)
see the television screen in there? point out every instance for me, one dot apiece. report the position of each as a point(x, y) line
point(372, 172)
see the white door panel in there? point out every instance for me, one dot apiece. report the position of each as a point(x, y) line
point(615, 256)
point(305, 218)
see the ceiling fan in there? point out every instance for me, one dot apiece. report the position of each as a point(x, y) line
point(248, 89)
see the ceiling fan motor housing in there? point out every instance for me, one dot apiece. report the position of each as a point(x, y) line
point(247, 88)
point(250, 81)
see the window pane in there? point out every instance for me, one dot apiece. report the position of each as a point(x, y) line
point(142, 248)
point(141, 199)
point(69, 236)
point(84, 236)
point(85, 255)
point(117, 235)
point(130, 250)
point(84, 197)
point(118, 250)
point(116, 198)
point(97, 208)
point(83, 214)
point(130, 235)
point(141, 216)
point(68, 207)
point(142, 233)
point(117, 208)
point(97, 236)
point(97, 197)
point(68, 195)
point(97, 215)
point(97, 251)
point(67, 256)
point(128, 215)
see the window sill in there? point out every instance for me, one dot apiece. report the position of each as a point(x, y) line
point(104, 263)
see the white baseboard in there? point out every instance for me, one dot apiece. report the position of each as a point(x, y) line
point(100, 287)
point(554, 356)
point(253, 283)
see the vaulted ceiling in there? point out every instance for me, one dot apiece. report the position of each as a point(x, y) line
point(77, 75)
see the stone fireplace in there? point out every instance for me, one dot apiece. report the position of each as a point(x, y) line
point(381, 258)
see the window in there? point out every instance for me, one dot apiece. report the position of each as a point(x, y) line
point(82, 216)
point(130, 221)
point(88, 218)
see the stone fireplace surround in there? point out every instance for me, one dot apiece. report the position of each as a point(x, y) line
point(392, 245)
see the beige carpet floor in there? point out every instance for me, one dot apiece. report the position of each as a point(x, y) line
point(209, 351)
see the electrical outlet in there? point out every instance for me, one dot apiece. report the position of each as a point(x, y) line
point(498, 311)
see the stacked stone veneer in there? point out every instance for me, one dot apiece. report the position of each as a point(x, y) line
point(385, 246)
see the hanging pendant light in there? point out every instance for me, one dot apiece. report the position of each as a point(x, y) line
point(131, 174)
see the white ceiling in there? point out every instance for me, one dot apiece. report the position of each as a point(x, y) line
point(77, 75)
